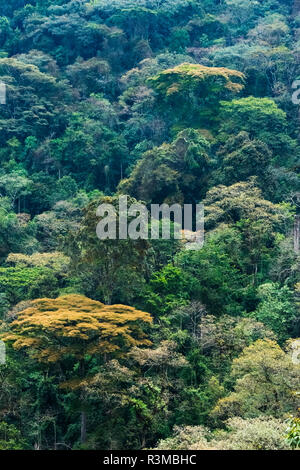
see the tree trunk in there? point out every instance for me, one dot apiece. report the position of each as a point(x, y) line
point(83, 427)
point(83, 413)
point(54, 428)
point(297, 234)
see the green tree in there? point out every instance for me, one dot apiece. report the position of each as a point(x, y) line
point(14, 186)
point(176, 172)
point(32, 100)
point(240, 159)
point(112, 270)
point(293, 433)
point(266, 382)
point(262, 119)
point(259, 222)
point(10, 438)
point(213, 278)
point(190, 93)
point(277, 310)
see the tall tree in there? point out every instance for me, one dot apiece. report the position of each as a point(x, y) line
point(51, 330)
point(190, 93)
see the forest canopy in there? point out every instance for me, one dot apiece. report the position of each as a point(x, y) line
point(139, 344)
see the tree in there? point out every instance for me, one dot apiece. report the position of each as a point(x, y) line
point(262, 119)
point(53, 226)
point(266, 382)
point(10, 438)
point(268, 69)
point(44, 62)
point(51, 330)
point(137, 22)
point(112, 270)
point(90, 76)
point(260, 433)
point(74, 325)
point(277, 310)
point(190, 93)
point(162, 370)
point(166, 289)
point(185, 438)
point(203, 30)
point(15, 234)
point(32, 98)
point(222, 339)
point(242, 11)
point(54, 260)
point(213, 278)
point(176, 172)
point(258, 221)
point(26, 276)
point(293, 433)
point(271, 29)
point(101, 154)
point(133, 399)
point(240, 201)
point(240, 159)
point(297, 295)
point(164, 101)
point(14, 186)
point(179, 39)
point(152, 66)
point(23, 283)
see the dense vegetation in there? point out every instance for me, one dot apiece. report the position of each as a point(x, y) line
point(123, 344)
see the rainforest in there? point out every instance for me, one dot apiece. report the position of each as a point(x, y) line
point(136, 343)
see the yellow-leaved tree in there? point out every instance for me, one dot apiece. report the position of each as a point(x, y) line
point(52, 330)
point(190, 94)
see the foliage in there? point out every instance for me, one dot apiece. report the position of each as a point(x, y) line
point(10, 438)
point(75, 325)
point(293, 433)
point(162, 101)
point(111, 267)
point(178, 171)
point(242, 434)
point(266, 380)
point(195, 90)
point(277, 311)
